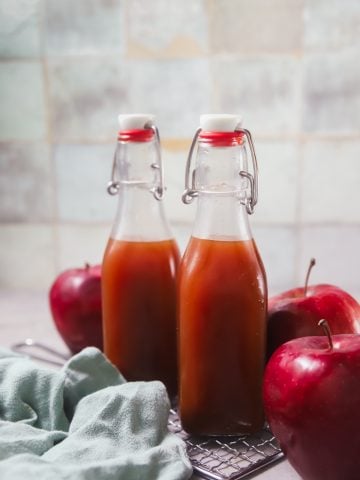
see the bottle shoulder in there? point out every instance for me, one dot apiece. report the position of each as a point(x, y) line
point(223, 270)
point(223, 253)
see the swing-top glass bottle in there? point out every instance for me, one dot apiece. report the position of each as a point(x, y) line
point(222, 287)
point(140, 261)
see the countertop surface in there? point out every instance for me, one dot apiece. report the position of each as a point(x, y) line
point(26, 315)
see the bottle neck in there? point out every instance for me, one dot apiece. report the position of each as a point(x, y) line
point(218, 169)
point(136, 163)
point(221, 217)
point(221, 214)
point(140, 217)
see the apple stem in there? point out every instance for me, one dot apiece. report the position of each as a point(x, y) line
point(324, 324)
point(87, 265)
point(311, 264)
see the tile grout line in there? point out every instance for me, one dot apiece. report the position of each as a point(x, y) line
point(300, 164)
point(183, 143)
point(47, 97)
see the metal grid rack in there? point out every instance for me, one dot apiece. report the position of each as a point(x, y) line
point(228, 458)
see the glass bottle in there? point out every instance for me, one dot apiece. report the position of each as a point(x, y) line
point(222, 288)
point(140, 262)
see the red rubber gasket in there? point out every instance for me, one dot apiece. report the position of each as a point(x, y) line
point(221, 139)
point(136, 135)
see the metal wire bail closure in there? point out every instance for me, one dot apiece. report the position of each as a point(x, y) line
point(158, 191)
point(251, 200)
point(113, 186)
point(191, 192)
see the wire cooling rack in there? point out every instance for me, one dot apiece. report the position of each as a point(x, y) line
point(228, 458)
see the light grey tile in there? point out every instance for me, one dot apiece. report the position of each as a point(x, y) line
point(176, 91)
point(330, 181)
point(174, 166)
point(331, 92)
point(20, 28)
point(82, 174)
point(81, 244)
point(257, 26)
point(22, 113)
point(26, 257)
point(278, 250)
point(331, 24)
point(26, 189)
point(166, 28)
point(336, 249)
point(84, 27)
point(265, 91)
point(86, 96)
point(278, 181)
point(27, 315)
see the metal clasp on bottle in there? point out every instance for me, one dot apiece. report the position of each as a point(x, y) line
point(113, 186)
point(191, 191)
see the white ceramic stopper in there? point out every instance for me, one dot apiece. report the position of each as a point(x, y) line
point(219, 122)
point(135, 120)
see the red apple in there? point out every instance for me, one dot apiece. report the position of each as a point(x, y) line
point(75, 304)
point(312, 400)
point(296, 313)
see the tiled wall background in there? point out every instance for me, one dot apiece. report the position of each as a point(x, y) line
point(292, 67)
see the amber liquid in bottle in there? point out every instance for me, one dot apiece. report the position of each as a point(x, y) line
point(140, 309)
point(222, 337)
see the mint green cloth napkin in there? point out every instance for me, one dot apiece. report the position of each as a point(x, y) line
point(84, 423)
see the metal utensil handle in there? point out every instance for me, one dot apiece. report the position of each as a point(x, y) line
point(29, 344)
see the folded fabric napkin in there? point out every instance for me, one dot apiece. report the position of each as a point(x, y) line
point(84, 423)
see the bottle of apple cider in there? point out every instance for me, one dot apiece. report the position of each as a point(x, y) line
point(140, 261)
point(222, 287)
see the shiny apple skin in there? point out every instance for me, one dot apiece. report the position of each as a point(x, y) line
point(293, 315)
point(312, 403)
point(75, 304)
